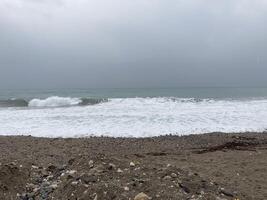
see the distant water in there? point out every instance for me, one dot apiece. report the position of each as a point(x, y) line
point(132, 112)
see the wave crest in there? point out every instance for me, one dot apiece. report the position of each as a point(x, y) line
point(56, 101)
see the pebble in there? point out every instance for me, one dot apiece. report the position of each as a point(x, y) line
point(126, 188)
point(54, 186)
point(141, 196)
point(119, 170)
point(71, 172)
point(132, 164)
point(167, 177)
point(219, 198)
point(30, 185)
point(88, 178)
point(36, 189)
point(74, 183)
point(50, 177)
point(111, 166)
point(51, 168)
point(95, 197)
point(173, 175)
point(227, 192)
point(34, 167)
point(91, 163)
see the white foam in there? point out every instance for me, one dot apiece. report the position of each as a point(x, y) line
point(54, 101)
point(138, 117)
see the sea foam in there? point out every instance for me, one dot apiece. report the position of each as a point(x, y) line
point(133, 117)
point(54, 101)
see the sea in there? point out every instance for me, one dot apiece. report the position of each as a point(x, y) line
point(133, 112)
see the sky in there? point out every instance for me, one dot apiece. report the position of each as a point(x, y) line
point(132, 43)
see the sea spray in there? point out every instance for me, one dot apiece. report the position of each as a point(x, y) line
point(134, 117)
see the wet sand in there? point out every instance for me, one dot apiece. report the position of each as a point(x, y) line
point(209, 166)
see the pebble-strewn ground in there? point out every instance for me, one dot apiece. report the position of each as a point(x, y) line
point(210, 166)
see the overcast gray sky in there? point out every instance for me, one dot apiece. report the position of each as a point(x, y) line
point(132, 43)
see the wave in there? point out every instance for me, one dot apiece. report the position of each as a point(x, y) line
point(91, 101)
point(56, 101)
point(135, 117)
point(53, 101)
point(13, 103)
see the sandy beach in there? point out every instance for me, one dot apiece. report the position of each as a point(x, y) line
point(209, 166)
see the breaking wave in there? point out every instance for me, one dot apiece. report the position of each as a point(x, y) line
point(133, 117)
point(56, 101)
point(53, 101)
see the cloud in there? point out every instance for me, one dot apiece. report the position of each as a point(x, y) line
point(141, 42)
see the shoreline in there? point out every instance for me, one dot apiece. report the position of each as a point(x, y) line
point(134, 137)
point(200, 166)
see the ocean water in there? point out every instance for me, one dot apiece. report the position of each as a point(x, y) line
point(132, 112)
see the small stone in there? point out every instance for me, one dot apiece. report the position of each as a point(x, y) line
point(95, 197)
point(68, 177)
point(51, 168)
point(45, 184)
point(54, 186)
point(132, 164)
point(227, 192)
point(36, 189)
point(119, 170)
point(88, 178)
point(44, 173)
point(173, 175)
point(74, 183)
point(167, 177)
point(111, 166)
point(71, 161)
point(71, 172)
point(126, 188)
point(219, 198)
point(34, 167)
point(85, 192)
point(91, 163)
point(141, 196)
point(30, 185)
point(50, 177)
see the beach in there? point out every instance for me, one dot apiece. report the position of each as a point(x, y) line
point(206, 166)
point(133, 100)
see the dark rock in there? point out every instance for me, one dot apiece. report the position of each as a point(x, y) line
point(71, 161)
point(111, 166)
point(51, 168)
point(227, 192)
point(88, 178)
